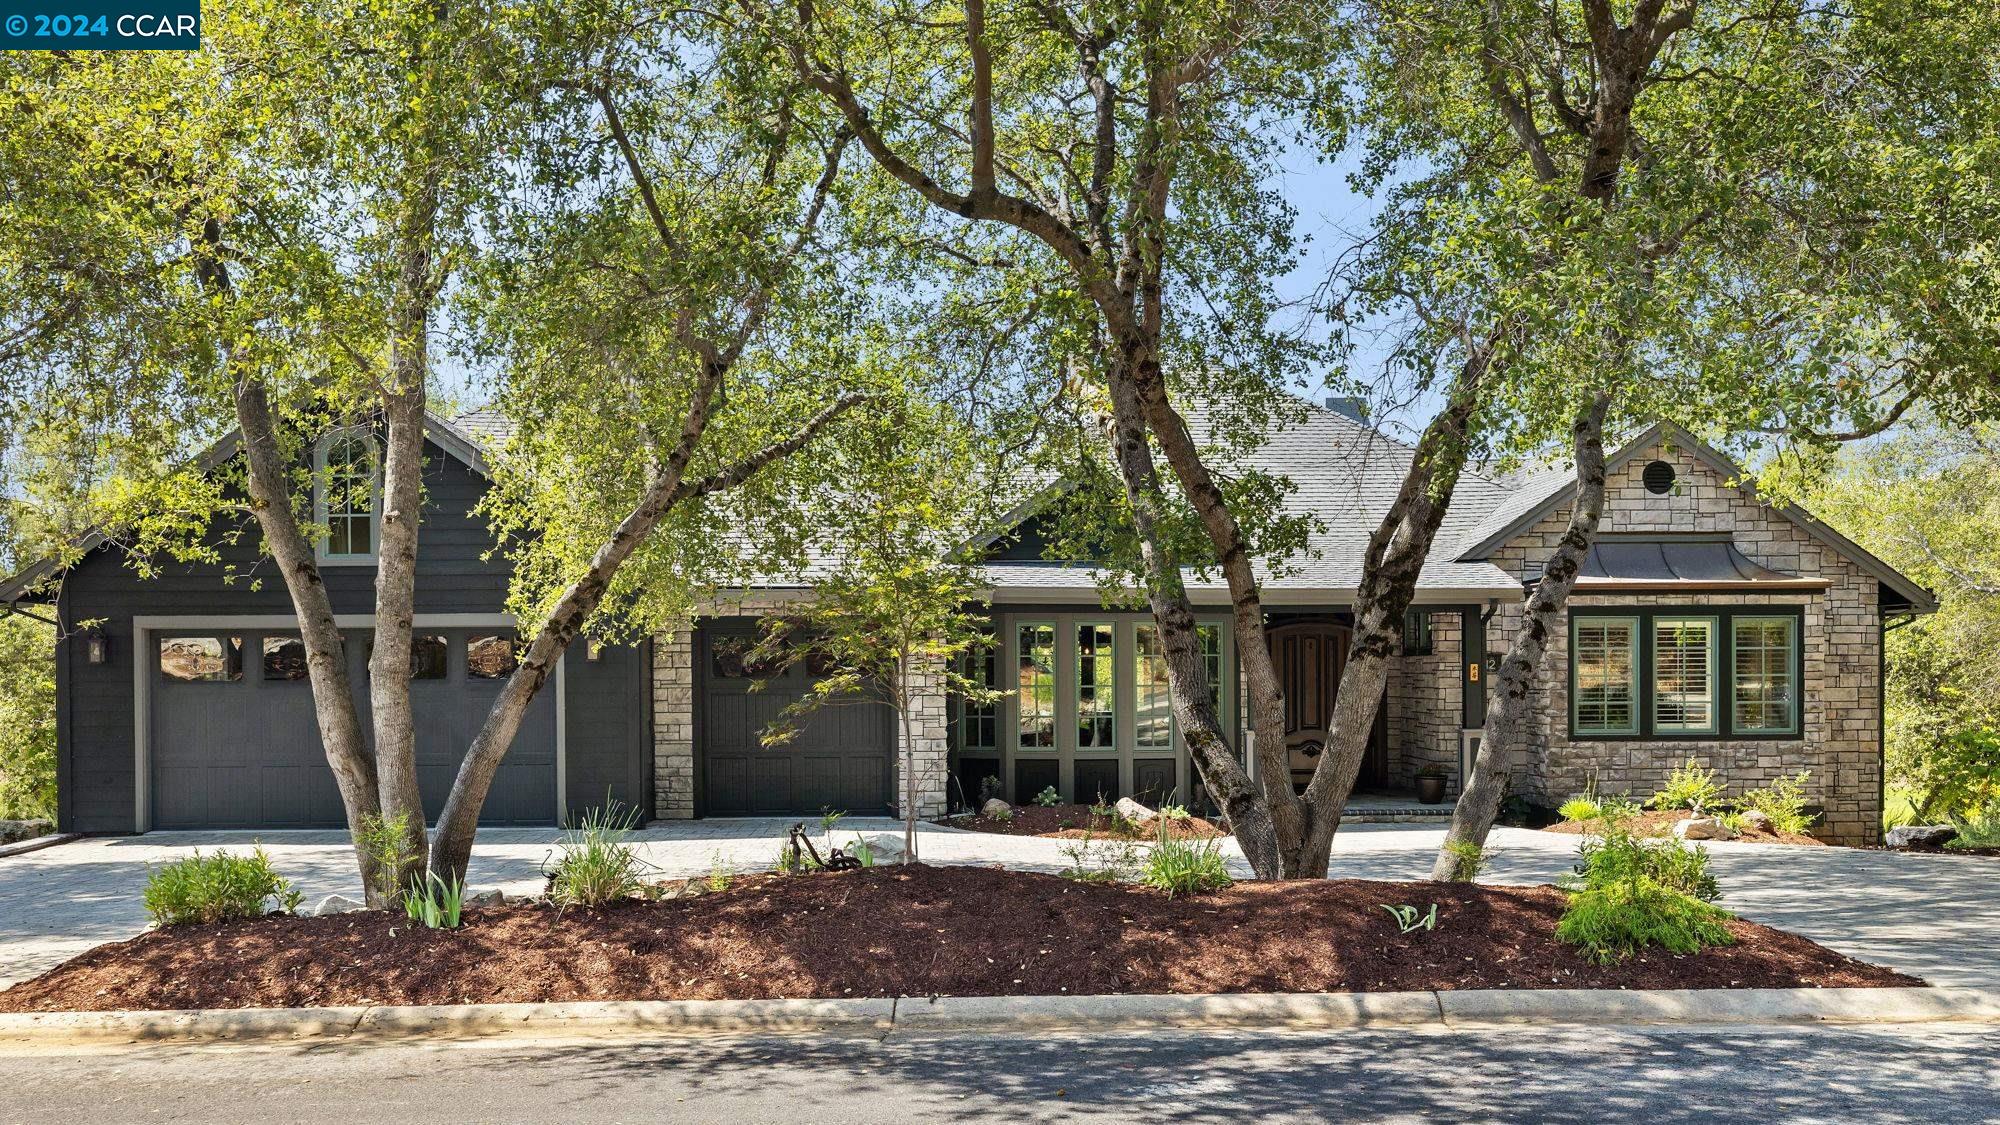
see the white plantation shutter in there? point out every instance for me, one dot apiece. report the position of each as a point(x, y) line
point(1684, 674)
point(1604, 675)
point(1764, 698)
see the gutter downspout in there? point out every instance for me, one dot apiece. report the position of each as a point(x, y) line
point(1882, 720)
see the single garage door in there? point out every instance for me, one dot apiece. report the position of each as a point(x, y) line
point(234, 742)
point(839, 760)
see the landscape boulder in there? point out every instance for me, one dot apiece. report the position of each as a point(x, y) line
point(1921, 837)
point(334, 904)
point(1704, 828)
point(14, 831)
point(996, 807)
point(485, 899)
point(1133, 811)
point(1752, 818)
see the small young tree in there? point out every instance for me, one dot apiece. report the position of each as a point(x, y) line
point(897, 612)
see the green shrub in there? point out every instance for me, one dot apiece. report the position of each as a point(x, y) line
point(1620, 857)
point(1614, 921)
point(435, 902)
point(1048, 798)
point(1899, 808)
point(596, 867)
point(1181, 867)
point(27, 719)
point(1784, 802)
point(719, 875)
point(386, 844)
point(1732, 820)
point(1978, 829)
point(1468, 860)
point(211, 888)
point(1578, 810)
point(1688, 787)
point(1175, 812)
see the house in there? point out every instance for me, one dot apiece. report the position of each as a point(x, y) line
point(1707, 624)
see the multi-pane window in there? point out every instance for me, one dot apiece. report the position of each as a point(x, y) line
point(977, 722)
point(1035, 684)
point(1764, 694)
point(1152, 700)
point(1417, 632)
point(1210, 637)
point(1604, 652)
point(347, 502)
point(1096, 686)
point(1684, 675)
point(1668, 674)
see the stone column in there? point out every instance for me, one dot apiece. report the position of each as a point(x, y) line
point(673, 725)
point(925, 689)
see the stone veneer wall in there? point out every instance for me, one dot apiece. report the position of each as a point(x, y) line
point(673, 732)
point(1426, 706)
point(673, 725)
point(1842, 637)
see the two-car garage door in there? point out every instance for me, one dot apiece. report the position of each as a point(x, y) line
point(234, 743)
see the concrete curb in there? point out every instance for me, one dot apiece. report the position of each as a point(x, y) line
point(1005, 1014)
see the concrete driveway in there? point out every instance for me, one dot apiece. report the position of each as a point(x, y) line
point(1931, 915)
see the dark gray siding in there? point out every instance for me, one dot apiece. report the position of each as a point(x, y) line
point(96, 701)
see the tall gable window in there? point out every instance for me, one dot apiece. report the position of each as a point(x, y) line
point(347, 492)
point(1719, 673)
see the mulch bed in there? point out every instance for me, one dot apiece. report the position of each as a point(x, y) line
point(1073, 822)
point(1656, 823)
point(911, 931)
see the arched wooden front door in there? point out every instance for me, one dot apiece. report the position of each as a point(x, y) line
point(1310, 657)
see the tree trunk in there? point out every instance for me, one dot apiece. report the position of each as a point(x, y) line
point(1512, 706)
point(326, 655)
point(909, 755)
point(451, 845)
point(404, 402)
point(1394, 560)
point(1247, 810)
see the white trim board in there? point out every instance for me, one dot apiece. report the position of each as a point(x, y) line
point(142, 725)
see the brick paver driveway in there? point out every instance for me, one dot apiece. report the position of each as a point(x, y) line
point(1934, 916)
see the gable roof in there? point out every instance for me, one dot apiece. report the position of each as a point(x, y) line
point(443, 432)
point(1344, 472)
point(1549, 488)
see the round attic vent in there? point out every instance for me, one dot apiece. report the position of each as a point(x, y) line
point(1659, 478)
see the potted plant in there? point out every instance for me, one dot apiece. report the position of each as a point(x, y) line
point(1430, 784)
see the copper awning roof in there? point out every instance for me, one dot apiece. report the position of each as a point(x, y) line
point(1680, 562)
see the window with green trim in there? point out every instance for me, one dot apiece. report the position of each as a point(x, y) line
point(977, 721)
point(1764, 692)
point(1684, 675)
point(1211, 655)
point(1036, 648)
point(1096, 686)
point(1604, 675)
point(1152, 699)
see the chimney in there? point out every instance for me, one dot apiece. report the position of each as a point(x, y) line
point(1348, 406)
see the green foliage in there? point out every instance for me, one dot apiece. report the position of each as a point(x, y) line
point(596, 866)
point(1689, 786)
point(1619, 919)
point(27, 719)
point(1048, 798)
point(862, 850)
point(1579, 809)
point(1979, 828)
point(719, 874)
point(1899, 807)
point(386, 845)
point(1731, 819)
point(1784, 801)
point(1175, 812)
point(435, 902)
point(1620, 857)
point(1004, 815)
point(216, 887)
point(1408, 919)
point(1091, 860)
point(1183, 867)
point(1468, 859)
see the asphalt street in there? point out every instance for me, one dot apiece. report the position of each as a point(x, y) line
point(1769, 1075)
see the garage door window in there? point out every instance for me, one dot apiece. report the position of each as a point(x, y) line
point(284, 658)
point(489, 658)
point(201, 659)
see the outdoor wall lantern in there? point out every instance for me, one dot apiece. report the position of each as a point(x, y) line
point(96, 647)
